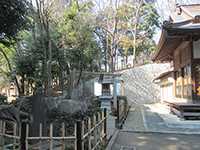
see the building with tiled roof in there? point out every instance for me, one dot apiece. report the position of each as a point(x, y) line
point(179, 44)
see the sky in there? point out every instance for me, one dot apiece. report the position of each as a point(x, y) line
point(164, 15)
point(164, 5)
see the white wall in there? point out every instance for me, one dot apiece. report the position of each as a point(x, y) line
point(167, 93)
point(97, 89)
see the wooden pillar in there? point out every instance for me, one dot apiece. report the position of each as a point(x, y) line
point(193, 81)
point(2, 139)
point(63, 135)
point(89, 138)
point(192, 71)
point(24, 135)
point(40, 135)
point(95, 129)
point(174, 84)
point(75, 134)
point(99, 129)
point(105, 124)
point(1, 136)
point(118, 117)
point(182, 83)
point(51, 137)
point(79, 135)
point(83, 131)
point(15, 135)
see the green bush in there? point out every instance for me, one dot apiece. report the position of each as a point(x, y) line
point(3, 99)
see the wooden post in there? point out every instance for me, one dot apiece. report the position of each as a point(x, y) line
point(75, 134)
point(4, 128)
point(63, 135)
point(83, 132)
point(89, 136)
point(27, 134)
point(1, 126)
point(95, 129)
point(118, 111)
point(20, 129)
point(79, 135)
point(15, 134)
point(99, 128)
point(51, 137)
point(105, 124)
point(102, 118)
point(182, 83)
point(1, 137)
point(40, 135)
point(3, 132)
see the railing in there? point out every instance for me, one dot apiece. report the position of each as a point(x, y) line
point(9, 135)
point(88, 134)
point(50, 142)
point(122, 110)
point(91, 133)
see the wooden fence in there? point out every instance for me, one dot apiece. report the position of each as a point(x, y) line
point(9, 135)
point(50, 141)
point(88, 134)
point(91, 133)
point(122, 110)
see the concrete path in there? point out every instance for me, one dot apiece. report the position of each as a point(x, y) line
point(155, 141)
point(135, 120)
point(145, 129)
point(141, 118)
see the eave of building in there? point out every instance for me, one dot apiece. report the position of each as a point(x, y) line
point(192, 10)
point(163, 75)
point(181, 27)
point(172, 36)
point(167, 44)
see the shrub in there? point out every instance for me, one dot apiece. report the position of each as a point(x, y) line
point(3, 99)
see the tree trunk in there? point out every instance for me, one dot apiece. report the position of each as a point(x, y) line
point(46, 44)
point(49, 75)
point(106, 51)
point(135, 29)
point(44, 47)
point(22, 85)
point(10, 68)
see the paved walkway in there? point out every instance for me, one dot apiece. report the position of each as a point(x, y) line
point(141, 118)
point(145, 129)
point(134, 120)
point(155, 141)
